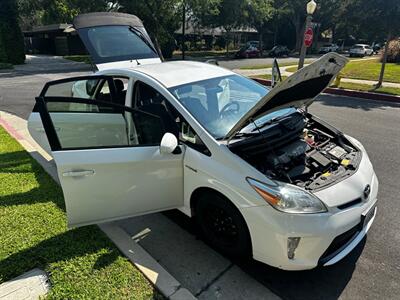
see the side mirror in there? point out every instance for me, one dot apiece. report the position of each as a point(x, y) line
point(168, 144)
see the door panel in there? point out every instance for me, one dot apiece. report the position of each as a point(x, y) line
point(126, 182)
point(108, 160)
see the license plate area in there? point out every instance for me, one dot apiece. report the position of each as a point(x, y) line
point(365, 218)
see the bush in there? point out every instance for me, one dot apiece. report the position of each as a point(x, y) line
point(11, 38)
point(3, 54)
point(393, 51)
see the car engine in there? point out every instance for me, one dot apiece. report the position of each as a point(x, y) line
point(300, 150)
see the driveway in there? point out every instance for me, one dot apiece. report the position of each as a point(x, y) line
point(371, 271)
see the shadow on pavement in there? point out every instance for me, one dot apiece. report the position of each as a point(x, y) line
point(356, 103)
point(319, 283)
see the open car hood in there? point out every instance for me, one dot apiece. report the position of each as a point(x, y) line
point(115, 40)
point(299, 90)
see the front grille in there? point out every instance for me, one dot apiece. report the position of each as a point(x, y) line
point(350, 204)
point(339, 243)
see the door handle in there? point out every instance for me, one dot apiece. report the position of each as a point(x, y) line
point(78, 173)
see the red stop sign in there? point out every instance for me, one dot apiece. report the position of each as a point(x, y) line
point(308, 37)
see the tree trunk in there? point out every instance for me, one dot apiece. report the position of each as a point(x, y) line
point(299, 33)
point(260, 45)
point(227, 42)
point(384, 59)
point(276, 34)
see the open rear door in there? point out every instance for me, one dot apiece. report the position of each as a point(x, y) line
point(108, 160)
point(115, 40)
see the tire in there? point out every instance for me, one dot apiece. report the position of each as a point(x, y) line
point(222, 226)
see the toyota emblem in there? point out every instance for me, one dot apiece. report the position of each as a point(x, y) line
point(367, 191)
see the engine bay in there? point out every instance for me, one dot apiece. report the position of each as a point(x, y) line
point(302, 150)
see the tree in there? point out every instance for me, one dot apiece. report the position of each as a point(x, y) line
point(228, 14)
point(161, 19)
point(259, 13)
point(42, 12)
point(11, 39)
point(372, 20)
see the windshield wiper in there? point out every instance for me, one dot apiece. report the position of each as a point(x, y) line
point(269, 122)
point(140, 35)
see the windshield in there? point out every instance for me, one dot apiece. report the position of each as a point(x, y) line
point(219, 103)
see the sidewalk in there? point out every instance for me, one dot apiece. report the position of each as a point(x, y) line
point(170, 256)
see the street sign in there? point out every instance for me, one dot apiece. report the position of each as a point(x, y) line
point(308, 37)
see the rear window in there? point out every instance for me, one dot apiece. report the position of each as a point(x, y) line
point(115, 43)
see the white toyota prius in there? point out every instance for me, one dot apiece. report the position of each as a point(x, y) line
point(262, 176)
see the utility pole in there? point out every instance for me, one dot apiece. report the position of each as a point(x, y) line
point(311, 6)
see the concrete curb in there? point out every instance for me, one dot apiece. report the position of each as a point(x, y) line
point(348, 93)
point(151, 269)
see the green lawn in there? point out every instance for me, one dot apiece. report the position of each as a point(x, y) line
point(79, 58)
point(366, 88)
point(268, 76)
point(281, 64)
point(82, 263)
point(367, 70)
point(353, 86)
point(370, 70)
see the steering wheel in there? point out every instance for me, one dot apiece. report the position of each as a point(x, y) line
point(226, 109)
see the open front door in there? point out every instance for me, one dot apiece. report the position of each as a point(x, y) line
point(108, 160)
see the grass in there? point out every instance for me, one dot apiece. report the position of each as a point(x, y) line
point(367, 88)
point(370, 70)
point(281, 64)
point(79, 58)
point(6, 66)
point(367, 70)
point(268, 76)
point(82, 263)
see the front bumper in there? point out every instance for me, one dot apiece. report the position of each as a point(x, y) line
point(270, 229)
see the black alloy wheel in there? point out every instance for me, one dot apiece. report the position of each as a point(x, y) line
point(222, 226)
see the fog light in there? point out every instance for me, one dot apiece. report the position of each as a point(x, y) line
point(292, 244)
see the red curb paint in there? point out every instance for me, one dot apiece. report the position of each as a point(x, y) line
point(11, 130)
point(348, 93)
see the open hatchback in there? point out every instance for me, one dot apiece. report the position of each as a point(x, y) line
point(115, 40)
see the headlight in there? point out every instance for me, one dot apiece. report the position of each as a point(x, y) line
point(288, 198)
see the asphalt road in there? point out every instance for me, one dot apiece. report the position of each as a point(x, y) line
point(373, 269)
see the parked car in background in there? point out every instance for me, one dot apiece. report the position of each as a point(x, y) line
point(361, 50)
point(377, 47)
point(253, 43)
point(248, 52)
point(328, 48)
point(279, 51)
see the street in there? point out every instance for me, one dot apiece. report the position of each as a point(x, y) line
point(372, 270)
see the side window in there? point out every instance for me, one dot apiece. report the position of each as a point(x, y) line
point(104, 126)
point(149, 100)
point(187, 134)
